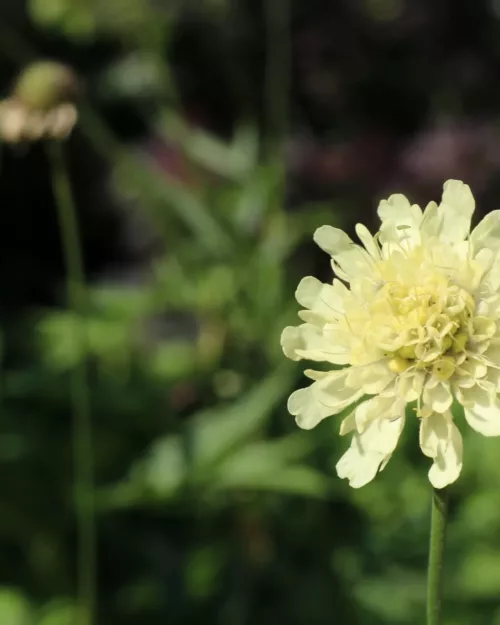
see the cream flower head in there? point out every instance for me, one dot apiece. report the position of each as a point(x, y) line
point(420, 323)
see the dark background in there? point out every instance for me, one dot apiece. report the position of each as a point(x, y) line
point(214, 137)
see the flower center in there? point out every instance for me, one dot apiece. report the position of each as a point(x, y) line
point(426, 326)
point(417, 315)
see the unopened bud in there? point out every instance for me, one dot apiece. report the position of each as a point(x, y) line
point(41, 106)
point(46, 84)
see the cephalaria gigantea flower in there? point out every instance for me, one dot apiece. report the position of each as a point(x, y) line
point(41, 105)
point(414, 317)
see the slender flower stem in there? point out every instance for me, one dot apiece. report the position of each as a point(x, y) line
point(436, 556)
point(80, 396)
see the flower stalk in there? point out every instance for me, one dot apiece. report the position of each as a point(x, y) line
point(439, 515)
point(82, 426)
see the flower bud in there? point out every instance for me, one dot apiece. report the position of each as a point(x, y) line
point(45, 84)
point(41, 105)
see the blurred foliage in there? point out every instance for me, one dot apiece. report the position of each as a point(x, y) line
point(212, 506)
point(16, 610)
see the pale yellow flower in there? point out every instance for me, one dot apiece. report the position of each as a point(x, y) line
point(418, 322)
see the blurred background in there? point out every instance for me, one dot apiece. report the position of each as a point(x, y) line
point(214, 136)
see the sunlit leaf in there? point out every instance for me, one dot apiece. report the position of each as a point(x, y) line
point(215, 432)
point(15, 609)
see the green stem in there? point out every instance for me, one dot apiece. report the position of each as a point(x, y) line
point(80, 396)
point(436, 556)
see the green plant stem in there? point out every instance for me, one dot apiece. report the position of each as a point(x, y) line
point(80, 396)
point(436, 556)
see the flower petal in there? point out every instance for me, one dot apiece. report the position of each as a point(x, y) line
point(372, 378)
point(350, 260)
point(448, 464)
point(441, 440)
point(308, 411)
point(358, 467)
point(483, 415)
point(348, 423)
point(456, 210)
point(369, 450)
point(409, 387)
point(437, 397)
point(378, 408)
point(366, 238)
point(487, 233)
point(431, 222)
point(308, 341)
point(292, 339)
point(308, 291)
point(325, 300)
point(491, 279)
point(400, 220)
point(325, 397)
point(433, 430)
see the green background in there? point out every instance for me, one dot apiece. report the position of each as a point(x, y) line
point(214, 137)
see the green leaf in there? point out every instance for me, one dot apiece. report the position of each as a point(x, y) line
point(120, 302)
point(203, 567)
point(269, 465)
point(156, 477)
point(216, 288)
point(110, 340)
point(394, 597)
point(295, 480)
point(214, 433)
point(209, 438)
point(163, 470)
point(154, 189)
point(265, 456)
point(59, 612)
point(198, 217)
point(233, 160)
point(61, 339)
point(14, 608)
point(253, 202)
point(172, 360)
point(480, 573)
